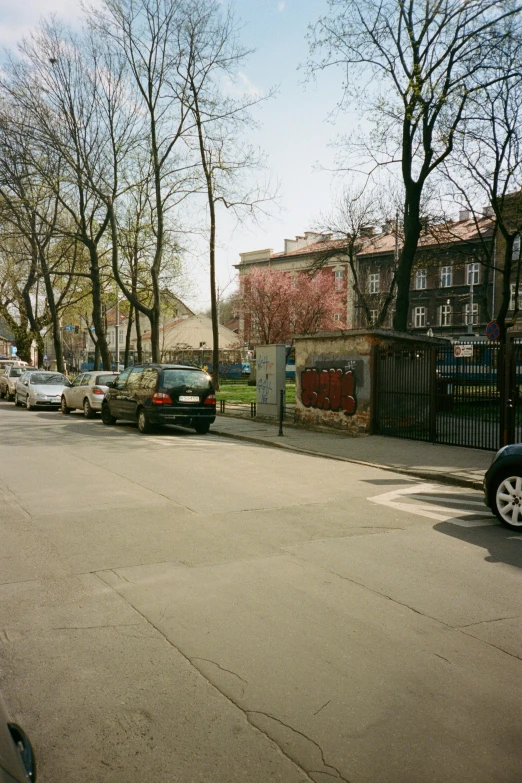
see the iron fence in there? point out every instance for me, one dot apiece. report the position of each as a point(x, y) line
point(430, 394)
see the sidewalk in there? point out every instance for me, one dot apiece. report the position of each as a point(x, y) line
point(449, 464)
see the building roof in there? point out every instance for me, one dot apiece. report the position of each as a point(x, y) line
point(440, 234)
point(194, 331)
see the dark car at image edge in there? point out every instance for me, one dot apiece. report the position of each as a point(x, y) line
point(503, 486)
point(17, 761)
point(159, 394)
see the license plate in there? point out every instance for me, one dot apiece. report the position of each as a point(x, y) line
point(188, 398)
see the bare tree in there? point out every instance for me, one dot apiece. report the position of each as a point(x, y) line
point(487, 173)
point(415, 66)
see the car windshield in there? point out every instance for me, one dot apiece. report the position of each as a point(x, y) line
point(191, 379)
point(40, 378)
point(103, 380)
point(16, 372)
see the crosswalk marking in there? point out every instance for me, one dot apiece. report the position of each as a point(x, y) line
point(397, 497)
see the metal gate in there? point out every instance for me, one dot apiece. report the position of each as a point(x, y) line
point(426, 393)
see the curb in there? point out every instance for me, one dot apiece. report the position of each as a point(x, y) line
point(441, 478)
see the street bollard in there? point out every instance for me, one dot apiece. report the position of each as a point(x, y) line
point(253, 410)
point(281, 411)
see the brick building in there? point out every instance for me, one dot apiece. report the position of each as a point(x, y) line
point(452, 281)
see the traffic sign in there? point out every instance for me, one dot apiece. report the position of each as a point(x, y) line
point(68, 328)
point(462, 351)
point(493, 330)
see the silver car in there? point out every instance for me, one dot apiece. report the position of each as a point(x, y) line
point(87, 392)
point(8, 380)
point(40, 388)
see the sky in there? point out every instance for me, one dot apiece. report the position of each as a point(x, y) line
point(294, 129)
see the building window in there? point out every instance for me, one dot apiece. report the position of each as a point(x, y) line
point(337, 316)
point(374, 284)
point(516, 248)
point(475, 314)
point(420, 317)
point(472, 274)
point(339, 279)
point(420, 279)
point(512, 298)
point(374, 314)
point(445, 315)
point(110, 338)
point(446, 276)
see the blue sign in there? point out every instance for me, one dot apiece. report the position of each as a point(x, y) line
point(493, 330)
point(14, 350)
point(69, 329)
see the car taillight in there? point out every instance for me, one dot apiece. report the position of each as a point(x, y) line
point(97, 390)
point(160, 398)
point(211, 400)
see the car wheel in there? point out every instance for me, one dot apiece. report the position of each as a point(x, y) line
point(106, 416)
point(507, 501)
point(28, 405)
point(63, 407)
point(1, 394)
point(144, 424)
point(87, 410)
point(202, 427)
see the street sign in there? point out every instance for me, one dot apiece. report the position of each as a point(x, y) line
point(14, 350)
point(462, 351)
point(69, 329)
point(493, 330)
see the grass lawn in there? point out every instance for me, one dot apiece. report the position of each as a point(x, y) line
point(231, 392)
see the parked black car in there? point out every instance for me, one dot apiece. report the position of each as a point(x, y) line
point(503, 486)
point(17, 762)
point(158, 394)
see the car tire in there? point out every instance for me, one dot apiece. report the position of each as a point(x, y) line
point(16, 400)
point(1, 394)
point(144, 424)
point(202, 427)
point(107, 418)
point(63, 407)
point(9, 396)
point(506, 485)
point(87, 409)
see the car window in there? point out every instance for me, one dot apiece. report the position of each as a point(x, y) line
point(77, 381)
point(103, 380)
point(85, 380)
point(16, 372)
point(37, 378)
point(185, 378)
point(122, 379)
point(149, 379)
point(135, 377)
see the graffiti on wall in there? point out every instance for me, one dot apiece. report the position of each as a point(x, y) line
point(329, 390)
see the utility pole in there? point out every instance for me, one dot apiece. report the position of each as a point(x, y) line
point(470, 316)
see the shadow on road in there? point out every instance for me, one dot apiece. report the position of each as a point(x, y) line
point(503, 545)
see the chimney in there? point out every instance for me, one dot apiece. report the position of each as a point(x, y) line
point(488, 211)
point(464, 214)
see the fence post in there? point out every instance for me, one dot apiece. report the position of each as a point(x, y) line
point(281, 411)
point(374, 390)
point(433, 394)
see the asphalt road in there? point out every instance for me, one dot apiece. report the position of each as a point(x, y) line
point(192, 609)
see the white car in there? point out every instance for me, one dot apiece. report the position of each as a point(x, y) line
point(8, 380)
point(87, 392)
point(37, 388)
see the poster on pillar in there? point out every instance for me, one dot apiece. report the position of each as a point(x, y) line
point(271, 378)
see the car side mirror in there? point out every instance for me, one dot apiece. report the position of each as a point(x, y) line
point(111, 384)
point(25, 383)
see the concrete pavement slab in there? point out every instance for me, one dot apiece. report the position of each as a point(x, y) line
point(342, 678)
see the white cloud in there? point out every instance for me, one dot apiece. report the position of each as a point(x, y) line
point(281, 6)
point(241, 85)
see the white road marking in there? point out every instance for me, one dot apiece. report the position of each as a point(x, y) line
point(439, 513)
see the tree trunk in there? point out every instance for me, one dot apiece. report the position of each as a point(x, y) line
point(139, 343)
point(97, 315)
point(412, 231)
point(128, 337)
point(23, 339)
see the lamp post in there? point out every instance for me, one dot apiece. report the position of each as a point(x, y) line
point(117, 333)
